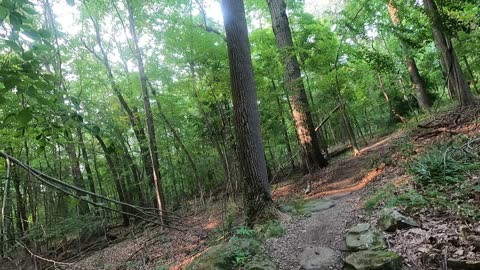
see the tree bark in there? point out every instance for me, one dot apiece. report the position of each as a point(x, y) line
point(88, 169)
point(387, 99)
point(257, 196)
point(417, 80)
point(302, 116)
point(116, 177)
point(285, 130)
point(152, 142)
point(472, 77)
point(76, 173)
point(457, 84)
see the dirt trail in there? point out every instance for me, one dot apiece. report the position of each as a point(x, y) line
point(327, 228)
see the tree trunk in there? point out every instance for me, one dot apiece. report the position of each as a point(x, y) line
point(133, 117)
point(285, 131)
point(116, 177)
point(88, 169)
point(417, 80)
point(179, 140)
point(76, 173)
point(152, 142)
point(22, 218)
point(6, 221)
point(387, 99)
point(312, 156)
point(472, 77)
point(257, 196)
point(457, 84)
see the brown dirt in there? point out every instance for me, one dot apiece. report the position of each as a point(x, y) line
point(344, 182)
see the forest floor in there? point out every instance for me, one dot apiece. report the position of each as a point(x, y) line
point(350, 183)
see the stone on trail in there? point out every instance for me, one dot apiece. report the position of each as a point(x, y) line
point(363, 236)
point(391, 220)
point(373, 260)
point(318, 205)
point(456, 264)
point(318, 258)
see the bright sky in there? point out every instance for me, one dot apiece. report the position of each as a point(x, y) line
point(67, 15)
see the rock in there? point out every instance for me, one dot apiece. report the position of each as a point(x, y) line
point(373, 260)
point(456, 264)
point(475, 239)
point(223, 256)
point(391, 220)
point(363, 237)
point(318, 258)
point(260, 262)
point(318, 205)
point(287, 209)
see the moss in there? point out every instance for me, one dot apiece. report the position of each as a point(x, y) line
point(227, 256)
point(373, 260)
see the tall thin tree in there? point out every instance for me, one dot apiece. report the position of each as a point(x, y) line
point(152, 142)
point(302, 116)
point(417, 80)
point(457, 84)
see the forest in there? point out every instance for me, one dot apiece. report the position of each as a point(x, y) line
point(239, 134)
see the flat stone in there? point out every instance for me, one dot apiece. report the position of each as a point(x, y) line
point(475, 239)
point(364, 237)
point(456, 264)
point(360, 228)
point(318, 258)
point(318, 205)
point(391, 220)
point(373, 260)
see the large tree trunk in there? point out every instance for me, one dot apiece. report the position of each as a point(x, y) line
point(417, 80)
point(457, 84)
point(312, 156)
point(257, 195)
point(152, 142)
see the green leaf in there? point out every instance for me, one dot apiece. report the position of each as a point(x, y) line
point(24, 116)
point(71, 2)
point(3, 13)
point(13, 45)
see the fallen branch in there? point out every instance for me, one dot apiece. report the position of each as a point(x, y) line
point(40, 257)
point(60, 185)
point(328, 117)
point(436, 132)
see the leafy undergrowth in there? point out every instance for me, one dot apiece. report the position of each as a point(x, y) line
point(437, 182)
point(242, 251)
point(445, 179)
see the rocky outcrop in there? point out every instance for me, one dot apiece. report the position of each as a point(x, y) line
point(391, 220)
point(373, 260)
point(364, 237)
